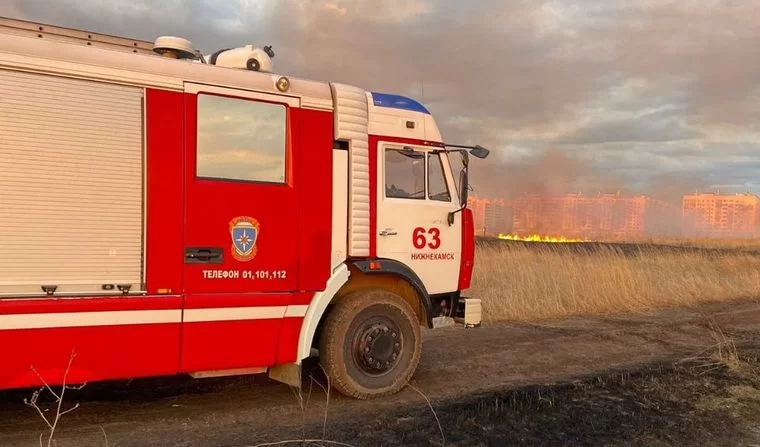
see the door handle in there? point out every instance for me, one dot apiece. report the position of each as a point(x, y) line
point(388, 232)
point(203, 255)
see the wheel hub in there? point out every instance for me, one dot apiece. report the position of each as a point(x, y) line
point(379, 347)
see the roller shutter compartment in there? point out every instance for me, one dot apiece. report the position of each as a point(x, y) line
point(71, 185)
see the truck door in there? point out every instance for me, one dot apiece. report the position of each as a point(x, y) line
point(241, 217)
point(415, 195)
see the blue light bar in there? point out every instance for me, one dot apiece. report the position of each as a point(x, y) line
point(397, 102)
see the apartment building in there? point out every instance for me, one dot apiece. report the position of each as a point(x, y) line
point(719, 215)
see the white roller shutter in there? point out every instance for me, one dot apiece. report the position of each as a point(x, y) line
point(71, 185)
point(351, 124)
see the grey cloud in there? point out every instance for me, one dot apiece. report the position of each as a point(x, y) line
point(499, 59)
point(11, 9)
point(649, 127)
point(713, 44)
point(510, 69)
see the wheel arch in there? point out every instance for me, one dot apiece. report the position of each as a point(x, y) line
point(396, 277)
point(364, 274)
point(316, 310)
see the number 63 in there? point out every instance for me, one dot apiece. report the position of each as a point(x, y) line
point(419, 238)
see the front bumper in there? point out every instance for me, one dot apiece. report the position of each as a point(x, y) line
point(467, 312)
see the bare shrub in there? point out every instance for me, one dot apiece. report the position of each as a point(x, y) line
point(432, 410)
point(52, 422)
point(725, 352)
point(303, 404)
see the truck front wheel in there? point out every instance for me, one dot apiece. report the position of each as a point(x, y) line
point(371, 344)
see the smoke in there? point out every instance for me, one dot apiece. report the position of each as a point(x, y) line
point(671, 187)
point(548, 173)
point(554, 173)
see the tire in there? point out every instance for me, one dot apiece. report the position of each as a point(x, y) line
point(357, 345)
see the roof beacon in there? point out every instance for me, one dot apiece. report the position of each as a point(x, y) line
point(174, 47)
point(247, 58)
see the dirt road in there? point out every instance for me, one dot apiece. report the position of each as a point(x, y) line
point(456, 362)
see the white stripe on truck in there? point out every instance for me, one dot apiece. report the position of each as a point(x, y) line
point(163, 316)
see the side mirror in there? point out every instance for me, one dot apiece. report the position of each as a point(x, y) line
point(479, 152)
point(464, 187)
point(476, 151)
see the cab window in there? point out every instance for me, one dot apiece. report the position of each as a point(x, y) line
point(404, 174)
point(437, 187)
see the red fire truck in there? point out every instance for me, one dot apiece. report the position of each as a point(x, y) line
point(164, 212)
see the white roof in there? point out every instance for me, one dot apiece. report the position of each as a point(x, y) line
point(145, 69)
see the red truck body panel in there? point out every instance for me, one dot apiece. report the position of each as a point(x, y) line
point(235, 323)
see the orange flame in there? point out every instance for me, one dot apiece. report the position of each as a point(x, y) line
point(539, 238)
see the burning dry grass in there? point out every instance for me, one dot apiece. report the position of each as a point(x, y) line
point(517, 282)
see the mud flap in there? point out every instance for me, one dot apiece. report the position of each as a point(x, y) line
point(439, 322)
point(288, 373)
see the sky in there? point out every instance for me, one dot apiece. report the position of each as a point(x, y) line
point(648, 96)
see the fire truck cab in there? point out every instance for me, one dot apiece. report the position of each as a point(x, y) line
point(164, 212)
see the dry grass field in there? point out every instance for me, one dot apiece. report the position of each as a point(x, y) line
point(523, 282)
point(714, 243)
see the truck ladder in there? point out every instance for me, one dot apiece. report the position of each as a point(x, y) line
point(71, 35)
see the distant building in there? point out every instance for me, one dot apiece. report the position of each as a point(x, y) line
point(717, 215)
point(662, 219)
point(602, 217)
point(492, 216)
point(548, 216)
